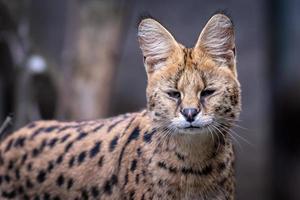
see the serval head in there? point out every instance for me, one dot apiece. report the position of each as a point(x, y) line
point(191, 90)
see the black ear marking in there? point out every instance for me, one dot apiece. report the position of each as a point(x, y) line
point(224, 12)
point(142, 16)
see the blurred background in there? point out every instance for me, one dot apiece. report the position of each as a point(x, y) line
point(79, 59)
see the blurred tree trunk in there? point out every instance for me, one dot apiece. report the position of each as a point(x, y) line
point(79, 42)
point(91, 67)
point(13, 50)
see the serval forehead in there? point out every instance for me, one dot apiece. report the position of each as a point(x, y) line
point(188, 66)
point(191, 60)
point(185, 67)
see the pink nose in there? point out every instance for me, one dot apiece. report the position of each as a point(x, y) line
point(189, 114)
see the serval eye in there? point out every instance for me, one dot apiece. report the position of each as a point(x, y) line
point(207, 92)
point(174, 94)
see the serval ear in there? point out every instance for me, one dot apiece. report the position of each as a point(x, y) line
point(156, 43)
point(217, 40)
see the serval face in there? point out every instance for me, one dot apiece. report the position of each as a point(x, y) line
point(191, 90)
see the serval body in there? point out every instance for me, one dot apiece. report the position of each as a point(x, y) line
point(177, 148)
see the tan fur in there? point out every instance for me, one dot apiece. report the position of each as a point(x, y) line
point(146, 155)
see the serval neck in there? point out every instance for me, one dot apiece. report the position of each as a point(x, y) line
point(196, 148)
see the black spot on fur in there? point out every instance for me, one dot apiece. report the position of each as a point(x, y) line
point(221, 166)
point(227, 110)
point(205, 171)
point(50, 166)
point(20, 190)
point(24, 158)
point(137, 178)
point(95, 191)
point(81, 157)
point(148, 136)
point(9, 144)
point(84, 195)
point(31, 125)
point(110, 183)
point(60, 158)
point(98, 128)
point(17, 174)
point(10, 165)
point(64, 138)
point(43, 145)
point(70, 183)
point(29, 166)
point(151, 105)
point(133, 165)
point(71, 161)
point(35, 152)
point(56, 198)
point(107, 187)
point(126, 178)
point(29, 184)
point(133, 136)
point(131, 195)
point(162, 165)
point(187, 171)
point(63, 128)
point(114, 124)
point(20, 142)
point(60, 180)
point(172, 169)
point(50, 129)
point(10, 194)
point(160, 182)
point(7, 178)
point(52, 142)
point(179, 156)
point(68, 146)
point(36, 132)
point(217, 109)
point(95, 150)
point(47, 196)
point(81, 135)
point(139, 151)
point(41, 177)
point(157, 114)
point(113, 143)
point(100, 161)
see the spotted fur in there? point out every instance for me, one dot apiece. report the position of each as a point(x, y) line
point(152, 154)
